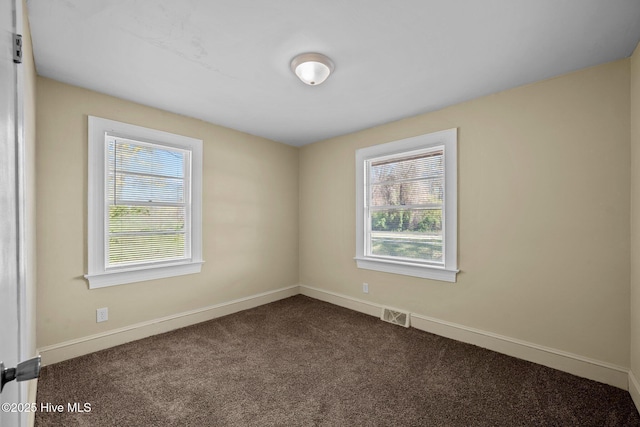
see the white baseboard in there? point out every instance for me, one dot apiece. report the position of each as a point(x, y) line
point(604, 372)
point(572, 363)
point(596, 370)
point(362, 306)
point(634, 389)
point(85, 345)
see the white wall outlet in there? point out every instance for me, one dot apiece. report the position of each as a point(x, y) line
point(102, 314)
point(365, 288)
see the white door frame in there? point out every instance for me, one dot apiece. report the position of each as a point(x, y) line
point(24, 332)
point(24, 320)
point(21, 349)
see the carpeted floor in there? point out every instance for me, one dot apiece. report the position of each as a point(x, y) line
point(302, 362)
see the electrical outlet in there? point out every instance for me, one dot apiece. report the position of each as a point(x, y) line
point(365, 288)
point(102, 314)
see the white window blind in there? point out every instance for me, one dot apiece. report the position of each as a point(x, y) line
point(405, 202)
point(147, 198)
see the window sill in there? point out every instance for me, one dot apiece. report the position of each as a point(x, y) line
point(121, 277)
point(407, 269)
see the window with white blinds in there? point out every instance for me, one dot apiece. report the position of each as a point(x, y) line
point(407, 207)
point(148, 204)
point(145, 203)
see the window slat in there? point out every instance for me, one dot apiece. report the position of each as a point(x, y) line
point(400, 181)
point(125, 155)
point(423, 206)
point(412, 167)
point(145, 188)
point(420, 192)
point(147, 248)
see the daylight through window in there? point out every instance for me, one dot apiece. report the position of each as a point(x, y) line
point(145, 204)
point(148, 215)
point(406, 206)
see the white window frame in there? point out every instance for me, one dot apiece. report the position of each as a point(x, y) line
point(448, 141)
point(98, 274)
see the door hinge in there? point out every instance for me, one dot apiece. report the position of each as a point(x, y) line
point(17, 48)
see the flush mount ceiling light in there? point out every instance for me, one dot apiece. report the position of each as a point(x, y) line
point(312, 68)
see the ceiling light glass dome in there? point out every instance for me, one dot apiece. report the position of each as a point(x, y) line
point(312, 68)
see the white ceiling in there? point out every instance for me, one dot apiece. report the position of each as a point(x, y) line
point(227, 61)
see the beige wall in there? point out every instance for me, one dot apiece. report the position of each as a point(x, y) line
point(635, 214)
point(250, 221)
point(544, 181)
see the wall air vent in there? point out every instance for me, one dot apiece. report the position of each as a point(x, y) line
point(396, 317)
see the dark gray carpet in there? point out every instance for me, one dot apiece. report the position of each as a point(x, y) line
point(302, 362)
